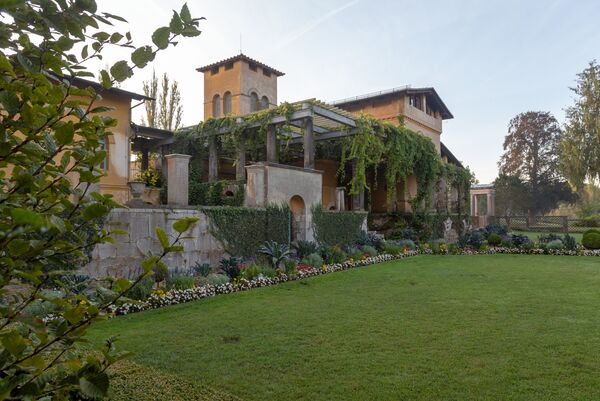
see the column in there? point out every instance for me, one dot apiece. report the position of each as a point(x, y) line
point(358, 199)
point(272, 144)
point(240, 169)
point(474, 203)
point(490, 204)
point(145, 158)
point(213, 159)
point(340, 199)
point(178, 179)
point(309, 144)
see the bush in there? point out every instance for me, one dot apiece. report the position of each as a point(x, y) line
point(591, 221)
point(217, 279)
point(370, 239)
point(230, 266)
point(335, 254)
point(305, 248)
point(355, 253)
point(555, 244)
point(256, 270)
point(180, 282)
point(546, 238)
point(476, 239)
point(521, 241)
point(438, 246)
point(392, 248)
point(142, 290)
point(494, 239)
point(499, 229)
point(314, 260)
point(276, 253)
point(591, 239)
point(337, 228)
point(408, 233)
point(370, 250)
point(407, 244)
point(570, 242)
point(203, 269)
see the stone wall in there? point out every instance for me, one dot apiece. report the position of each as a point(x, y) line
point(123, 258)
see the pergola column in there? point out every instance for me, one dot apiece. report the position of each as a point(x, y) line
point(240, 169)
point(178, 179)
point(213, 159)
point(358, 199)
point(272, 144)
point(309, 144)
point(145, 158)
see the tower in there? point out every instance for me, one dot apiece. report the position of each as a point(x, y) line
point(238, 85)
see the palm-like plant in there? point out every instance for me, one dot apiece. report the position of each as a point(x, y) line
point(277, 253)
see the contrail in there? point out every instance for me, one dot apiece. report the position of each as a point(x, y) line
point(312, 25)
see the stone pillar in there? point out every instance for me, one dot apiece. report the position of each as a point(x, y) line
point(272, 144)
point(145, 158)
point(178, 179)
point(490, 204)
point(213, 159)
point(340, 199)
point(358, 199)
point(474, 203)
point(240, 169)
point(309, 144)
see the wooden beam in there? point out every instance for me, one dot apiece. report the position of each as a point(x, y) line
point(332, 115)
point(327, 136)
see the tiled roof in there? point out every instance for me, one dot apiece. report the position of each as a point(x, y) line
point(239, 57)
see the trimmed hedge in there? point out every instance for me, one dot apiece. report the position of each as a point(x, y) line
point(591, 239)
point(243, 230)
point(336, 228)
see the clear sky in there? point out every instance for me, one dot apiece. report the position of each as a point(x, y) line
point(489, 60)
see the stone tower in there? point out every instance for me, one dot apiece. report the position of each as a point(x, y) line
point(238, 85)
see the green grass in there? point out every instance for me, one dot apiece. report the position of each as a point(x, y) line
point(501, 327)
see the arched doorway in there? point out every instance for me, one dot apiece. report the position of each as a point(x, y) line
point(298, 218)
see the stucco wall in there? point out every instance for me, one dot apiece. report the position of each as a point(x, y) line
point(123, 258)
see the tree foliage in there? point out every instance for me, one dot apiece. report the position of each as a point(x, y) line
point(531, 156)
point(165, 111)
point(580, 145)
point(50, 214)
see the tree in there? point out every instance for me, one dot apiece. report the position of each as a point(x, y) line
point(531, 155)
point(511, 195)
point(165, 112)
point(580, 145)
point(50, 216)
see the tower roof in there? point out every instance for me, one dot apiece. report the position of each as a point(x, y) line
point(240, 57)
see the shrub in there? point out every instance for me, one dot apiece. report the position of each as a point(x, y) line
point(521, 241)
point(368, 249)
point(355, 253)
point(476, 239)
point(392, 248)
point(337, 228)
point(438, 246)
point(305, 248)
point(591, 239)
point(290, 266)
point(202, 269)
point(370, 239)
point(499, 229)
point(230, 266)
point(256, 270)
point(555, 244)
point(591, 221)
point(334, 254)
point(494, 239)
point(217, 279)
point(314, 260)
point(408, 233)
point(546, 238)
point(407, 244)
point(180, 282)
point(276, 253)
point(142, 291)
point(570, 242)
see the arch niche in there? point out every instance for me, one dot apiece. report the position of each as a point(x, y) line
point(298, 208)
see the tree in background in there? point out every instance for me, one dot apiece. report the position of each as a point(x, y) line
point(580, 144)
point(50, 216)
point(531, 155)
point(512, 195)
point(166, 111)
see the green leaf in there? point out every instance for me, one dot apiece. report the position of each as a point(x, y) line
point(17, 247)
point(94, 211)
point(95, 386)
point(26, 217)
point(121, 71)
point(10, 102)
point(149, 263)
point(5, 65)
point(25, 63)
point(116, 37)
point(160, 37)
point(64, 133)
point(162, 237)
point(105, 79)
point(14, 343)
point(142, 56)
point(176, 25)
point(185, 14)
point(182, 225)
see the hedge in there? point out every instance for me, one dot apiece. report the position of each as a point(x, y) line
point(336, 228)
point(243, 230)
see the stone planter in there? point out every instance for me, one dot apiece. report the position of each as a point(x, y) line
point(151, 196)
point(137, 190)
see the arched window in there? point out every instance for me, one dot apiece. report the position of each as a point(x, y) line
point(216, 112)
point(227, 103)
point(264, 103)
point(253, 102)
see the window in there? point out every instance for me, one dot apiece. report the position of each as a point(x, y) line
point(229, 65)
point(227, 103)
point(253, 67)
point(216, 106)
point(104, 164)
point(214, 70)
point(415, 101)
point(266, 72)
point(264, 103)
point(253, 102)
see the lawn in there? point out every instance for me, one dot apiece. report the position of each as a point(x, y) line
point(501, 327)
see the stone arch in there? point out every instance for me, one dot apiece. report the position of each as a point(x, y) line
point(264, 103)
point(298, 208)
point(254, 106)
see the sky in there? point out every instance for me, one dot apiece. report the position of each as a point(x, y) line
point(488, 60)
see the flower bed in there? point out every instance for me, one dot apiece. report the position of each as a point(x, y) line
point(174, 297)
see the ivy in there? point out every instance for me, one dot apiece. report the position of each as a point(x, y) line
point(212, 193)
point(336, 228)
point(242, 231)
